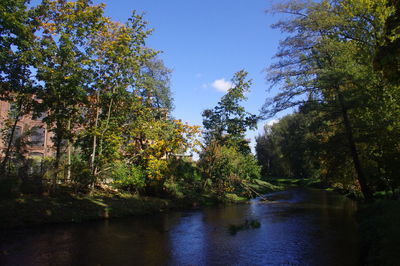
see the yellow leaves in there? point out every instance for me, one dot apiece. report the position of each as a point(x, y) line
point(155, 168)
point(49, 27)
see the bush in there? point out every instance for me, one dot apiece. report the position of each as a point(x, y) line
point(227, 167)
point(183, 178)
point(127, 177)
point(174, 189)
point(81, 174)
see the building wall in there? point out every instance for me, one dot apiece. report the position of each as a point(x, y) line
point(26, 123)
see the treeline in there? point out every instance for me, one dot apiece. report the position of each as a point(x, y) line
point(340, 65)
point(105, 98)
point(103, 94)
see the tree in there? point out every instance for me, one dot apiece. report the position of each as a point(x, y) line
point(17, 55)
point(388, 51)
point(155, 86)
point(64, 46)
point(118, 53)
point(225, 159)
point(327, 58)
point(228, 121)
point(226, 169)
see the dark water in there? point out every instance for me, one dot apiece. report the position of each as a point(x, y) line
point(301, 227)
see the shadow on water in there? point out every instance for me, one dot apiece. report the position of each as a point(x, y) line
point(299, 227)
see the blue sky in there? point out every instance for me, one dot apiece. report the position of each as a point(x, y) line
point(205, 43)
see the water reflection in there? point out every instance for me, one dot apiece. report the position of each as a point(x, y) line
point(301, 227)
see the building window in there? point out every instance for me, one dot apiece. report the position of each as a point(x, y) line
point(37, 136)
point(13, 111)
point(16, 136)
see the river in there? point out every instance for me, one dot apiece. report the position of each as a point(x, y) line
point(298, 227)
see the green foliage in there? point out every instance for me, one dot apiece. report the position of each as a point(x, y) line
point(226, 160)
point(183, 179)
point(127, 177)
point(228, 121)
point(262, 187)
point(227, 168)
point(233, 198)
point(185, 171)
point(155, 86)
point(81, 176)
point(326, 66)
point(287, 148)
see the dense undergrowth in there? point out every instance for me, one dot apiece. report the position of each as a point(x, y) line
point(31, 200)
point(380, 232)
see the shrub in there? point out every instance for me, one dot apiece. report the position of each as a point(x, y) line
point(81, 175)
point(183, 178)
point(227, 168)
point(127, 177)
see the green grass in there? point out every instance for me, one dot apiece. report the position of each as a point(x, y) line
point(304, 182)
point(263, 187)
point(63, 207)
point(66, 206)
point(233, 198)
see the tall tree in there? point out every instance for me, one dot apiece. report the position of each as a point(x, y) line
point(64, 46)
point(327, 58)
point(17, 54)
point(228, 121)
point(155, 85)
point(118, 55)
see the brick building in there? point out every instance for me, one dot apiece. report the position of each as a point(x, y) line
point(31, 128)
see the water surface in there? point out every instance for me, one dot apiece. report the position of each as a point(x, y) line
point(300, 227)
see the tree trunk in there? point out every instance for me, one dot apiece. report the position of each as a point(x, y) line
point(94, 146)
point(59, 138)
point(107, 123)
point(10, 141)
point(69, 151)
point(353, 149)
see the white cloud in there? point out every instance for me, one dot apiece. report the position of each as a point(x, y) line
point(199, 75)
point(204, 85)
point(221, 85)
point(273, 121)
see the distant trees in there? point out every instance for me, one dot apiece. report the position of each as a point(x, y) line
point(286, 148)
point(326, 66)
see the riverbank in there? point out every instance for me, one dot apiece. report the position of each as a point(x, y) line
point(380, 232)
point(65, 206)
point(202, 237)
point(299, 182)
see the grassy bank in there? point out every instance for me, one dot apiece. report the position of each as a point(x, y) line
point(302, 182)
point(380, 231)
point(64, 207)
point(68, 207)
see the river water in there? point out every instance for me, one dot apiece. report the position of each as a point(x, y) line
point(299, 227)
